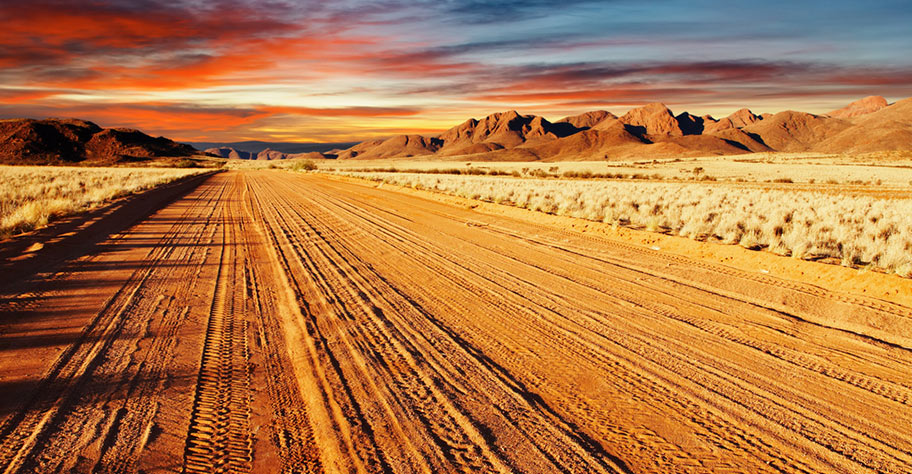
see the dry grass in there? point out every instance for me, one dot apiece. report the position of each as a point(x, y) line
point(801, 168)
point(857, 231)
point(292, 164)
point(30, 196)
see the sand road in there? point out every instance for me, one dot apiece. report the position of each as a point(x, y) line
point(268, 321)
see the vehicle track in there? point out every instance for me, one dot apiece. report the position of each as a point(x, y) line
point(274, 321)
point(219, 438)
point(28, 432)
point(354, 221)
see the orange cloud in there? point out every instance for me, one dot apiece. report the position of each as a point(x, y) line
point(172, 120)
point(96, 46)
point(23, 96)
point(343, 111)
point(589, 96)
point(189, 122)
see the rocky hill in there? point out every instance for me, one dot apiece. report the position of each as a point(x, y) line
point(61, 141)
point(860, 107)
point(267, 154)
point(653, 130)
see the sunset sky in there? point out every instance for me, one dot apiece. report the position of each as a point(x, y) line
point(314, 71)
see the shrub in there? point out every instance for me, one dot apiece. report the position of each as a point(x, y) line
point(186, 163)
point(303, 165)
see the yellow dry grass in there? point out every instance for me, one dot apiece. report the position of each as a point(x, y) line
point(759, 167)
point(32, 195)
point(857, 231)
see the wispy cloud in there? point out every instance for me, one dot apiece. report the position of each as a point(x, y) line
point(339, 69)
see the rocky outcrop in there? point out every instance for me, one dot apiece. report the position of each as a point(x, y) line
point(59, 141)
point(860, 107)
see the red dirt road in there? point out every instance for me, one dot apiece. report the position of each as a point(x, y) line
point(277, 322)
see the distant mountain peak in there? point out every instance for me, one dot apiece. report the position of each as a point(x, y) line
point(860, 107)
point(652, 130)
point(652, 119)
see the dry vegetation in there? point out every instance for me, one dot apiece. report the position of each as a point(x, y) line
point(298, 164)
point(857, 231)
point(32, 195)
point(758, 167)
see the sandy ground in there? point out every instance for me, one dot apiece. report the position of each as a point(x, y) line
point(271, 321)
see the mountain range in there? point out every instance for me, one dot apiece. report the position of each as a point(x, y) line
point(870, 124)
point(266, 154)
point(651, 131)
point(254, 147)
point(62, 141)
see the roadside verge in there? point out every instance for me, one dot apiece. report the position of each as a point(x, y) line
point(42, 250)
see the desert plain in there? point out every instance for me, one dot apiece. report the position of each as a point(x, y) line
point(399, 237)
point(262, 319)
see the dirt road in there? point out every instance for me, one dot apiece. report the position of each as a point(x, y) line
point(270, 321)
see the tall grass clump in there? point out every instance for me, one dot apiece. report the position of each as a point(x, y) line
point(856, 231)
point(303, 165)
point(30, 196)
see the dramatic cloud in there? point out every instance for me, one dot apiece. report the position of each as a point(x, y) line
point(346, 70)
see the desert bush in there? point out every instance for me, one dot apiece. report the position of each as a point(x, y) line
point(852, 230)
point(30, 196)
point(303, 165)
point(186, 163)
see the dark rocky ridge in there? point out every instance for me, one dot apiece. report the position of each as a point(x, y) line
point(62, 141)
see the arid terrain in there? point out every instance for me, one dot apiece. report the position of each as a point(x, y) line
point(271, 321)
point(399, 237)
